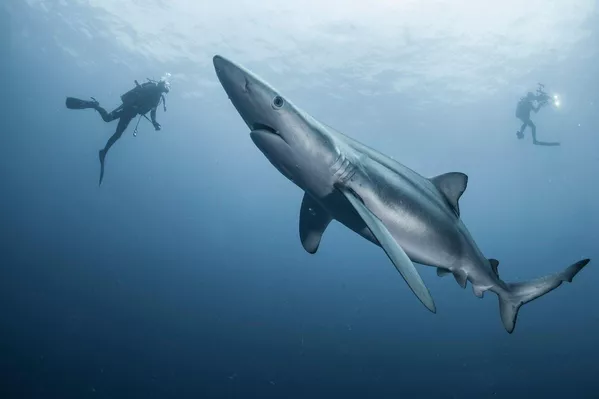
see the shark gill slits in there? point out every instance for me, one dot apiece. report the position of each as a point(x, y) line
point(277, 102)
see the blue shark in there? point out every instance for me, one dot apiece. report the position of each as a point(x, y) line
point(414, 219)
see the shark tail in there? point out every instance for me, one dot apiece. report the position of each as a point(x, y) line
point(518, 294)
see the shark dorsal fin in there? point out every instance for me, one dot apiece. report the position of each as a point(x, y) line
point(494, 265)
point(452, 185)
point(314, 220)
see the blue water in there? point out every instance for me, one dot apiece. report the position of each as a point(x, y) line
point(183, 275)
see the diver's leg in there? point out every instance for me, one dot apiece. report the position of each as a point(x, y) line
point(109, 117)
point(124, 121)
point(534, 131)
point(520, 133)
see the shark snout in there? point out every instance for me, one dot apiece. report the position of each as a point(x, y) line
point(234, 81)
point(252, 97)
point(226, 71)
point(220, 62)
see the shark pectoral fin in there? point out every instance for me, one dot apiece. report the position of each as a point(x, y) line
point(314, 220)
point(400, 259)
point(494, 265)
point(442, 272)
point(452, 185)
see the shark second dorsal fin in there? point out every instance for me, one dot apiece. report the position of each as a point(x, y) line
point(452, 185)
point(314, 220)
point(494, 265)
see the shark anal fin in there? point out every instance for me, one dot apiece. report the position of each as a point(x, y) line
point(314, 220)
point(478, 291)
point(394, 251)
point(452, 185)
point(442, 272)
point(494, 266)
point(461, 278)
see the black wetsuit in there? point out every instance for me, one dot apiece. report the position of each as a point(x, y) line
point(139, 101)
point(147, 99)
point(523, 113)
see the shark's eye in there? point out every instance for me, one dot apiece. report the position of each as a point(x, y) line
point(278, 102)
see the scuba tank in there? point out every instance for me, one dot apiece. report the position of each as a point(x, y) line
point(131, 98)
point(520, 108)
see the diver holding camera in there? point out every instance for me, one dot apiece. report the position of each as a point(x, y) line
point(525, 105)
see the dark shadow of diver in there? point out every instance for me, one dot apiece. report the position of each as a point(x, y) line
point(547, 143)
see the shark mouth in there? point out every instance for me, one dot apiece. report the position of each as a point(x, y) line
point(261, 126)
point(268, 129)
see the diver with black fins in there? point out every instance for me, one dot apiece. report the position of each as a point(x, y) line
point(525, 105)
point(140, 100)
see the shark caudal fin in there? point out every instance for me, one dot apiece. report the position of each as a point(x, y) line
point(519, 294)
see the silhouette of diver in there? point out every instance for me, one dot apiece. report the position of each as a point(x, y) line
point(140, 100)
point(525, 105)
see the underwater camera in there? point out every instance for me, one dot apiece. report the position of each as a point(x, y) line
point(543, 98)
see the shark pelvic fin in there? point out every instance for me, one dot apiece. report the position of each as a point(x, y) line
point(452, 185)
point(442, 272)
point(313, 221)
point(461, 277)
point(400, 259)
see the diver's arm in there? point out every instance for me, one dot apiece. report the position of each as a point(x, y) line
point(153, 118)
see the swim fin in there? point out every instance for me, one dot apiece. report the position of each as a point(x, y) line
point(102, 155)
point(76, 103)
point(546, 143)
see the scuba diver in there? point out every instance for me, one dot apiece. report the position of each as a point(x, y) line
point(525, 105)
point(140, 100)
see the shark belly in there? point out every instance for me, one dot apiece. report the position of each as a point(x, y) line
point(421, 223)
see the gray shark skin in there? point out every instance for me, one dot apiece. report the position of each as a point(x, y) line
point(412, 218)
